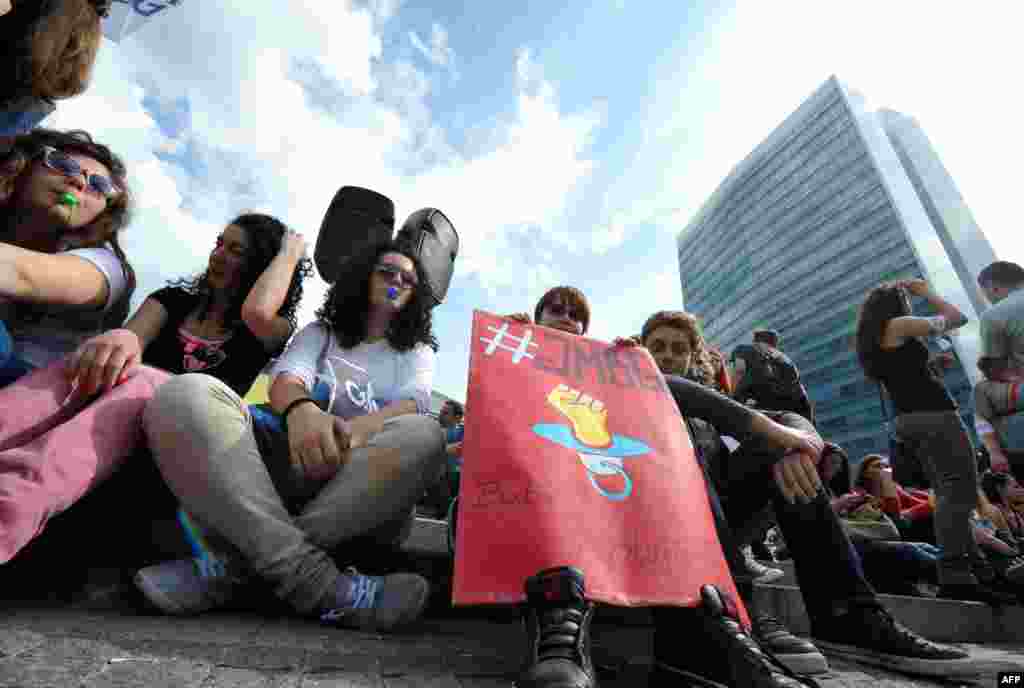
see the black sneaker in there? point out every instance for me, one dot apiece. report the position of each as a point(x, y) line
point(872, 636)
point(722, 653)
point(989, 593)
point(799, 655)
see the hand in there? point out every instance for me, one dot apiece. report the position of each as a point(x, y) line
point(1000, 464)
point(361, 429)
point(793, 440)
point(626, 342)
point(521, 318)
point(103, 361)
point(917, 287)
point(849, 502)
point(318, 442)
point(796, 474)
point(294, 245)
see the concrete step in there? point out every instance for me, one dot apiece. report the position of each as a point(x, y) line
point(939, 620)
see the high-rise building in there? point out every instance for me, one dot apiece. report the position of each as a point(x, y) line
point(837, 199)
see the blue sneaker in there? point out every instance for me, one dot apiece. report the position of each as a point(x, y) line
point(188, 586)
point(376, 603)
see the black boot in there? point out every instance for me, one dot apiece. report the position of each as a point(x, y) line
point(713, 646)
point(557, 616)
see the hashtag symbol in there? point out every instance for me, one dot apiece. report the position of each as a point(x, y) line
point(500, 334)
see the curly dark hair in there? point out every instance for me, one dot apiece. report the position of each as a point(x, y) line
point(346, 306)
point(15, 163)
point(882, 304)
point(265, 235)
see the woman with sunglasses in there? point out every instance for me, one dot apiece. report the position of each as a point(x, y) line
point(48, 49)
point(63, 274)
point(66, 428)
point(892, 351)
point(352, 453)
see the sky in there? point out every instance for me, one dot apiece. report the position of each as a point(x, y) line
point(567, 145)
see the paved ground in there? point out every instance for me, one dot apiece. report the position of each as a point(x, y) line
point(65, 648)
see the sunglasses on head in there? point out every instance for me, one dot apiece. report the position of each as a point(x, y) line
point(560, 309)
point(406, 278)
point(678, 348)
point(62, 163)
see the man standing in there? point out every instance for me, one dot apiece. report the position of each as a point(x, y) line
point(1002, 325)
point(1002, 359)
point(768, 378)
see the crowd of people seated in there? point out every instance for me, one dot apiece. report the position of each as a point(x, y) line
point(269, 496)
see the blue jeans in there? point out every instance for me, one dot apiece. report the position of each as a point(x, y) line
point(11, 367)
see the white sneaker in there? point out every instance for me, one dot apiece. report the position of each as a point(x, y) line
point(758, 571)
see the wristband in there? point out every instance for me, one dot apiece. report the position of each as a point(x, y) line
point(290, 407)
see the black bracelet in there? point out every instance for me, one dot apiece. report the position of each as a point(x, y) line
point(289, 407)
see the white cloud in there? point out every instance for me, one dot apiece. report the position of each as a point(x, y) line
point(438, 52)
point(262, 134)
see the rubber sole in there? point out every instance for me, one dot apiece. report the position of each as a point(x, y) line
point(156, 596)
point(805, 663)
point(909, 665)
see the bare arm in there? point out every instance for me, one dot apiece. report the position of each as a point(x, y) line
point(47, 278)
point(269, 293)
point(949, 318)
point(102, 360)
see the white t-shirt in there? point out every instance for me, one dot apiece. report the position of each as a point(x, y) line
point(362, 379)
point(41, 340)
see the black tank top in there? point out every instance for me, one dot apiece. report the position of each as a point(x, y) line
point(911, 384)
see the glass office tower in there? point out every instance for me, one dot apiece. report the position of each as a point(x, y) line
point(837, 199)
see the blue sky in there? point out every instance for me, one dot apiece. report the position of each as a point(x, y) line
point(568, 146)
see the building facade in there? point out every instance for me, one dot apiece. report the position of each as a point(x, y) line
point(837, 199)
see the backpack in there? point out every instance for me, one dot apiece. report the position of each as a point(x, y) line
point(773, 381)
point(771, 371)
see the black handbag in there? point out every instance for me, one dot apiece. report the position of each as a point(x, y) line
point(906, 469)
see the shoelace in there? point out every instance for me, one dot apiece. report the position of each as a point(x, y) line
point(764, 624)
point(766, 662)
point(365, 590)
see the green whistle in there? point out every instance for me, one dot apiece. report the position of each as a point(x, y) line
point(68, 199)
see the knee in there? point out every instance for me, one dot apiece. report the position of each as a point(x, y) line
point(421, 439)
point(186, 404)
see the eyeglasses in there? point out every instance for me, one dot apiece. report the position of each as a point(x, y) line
point(406, 278)
point(62, 163)
point(560, 309)
point(678, 348)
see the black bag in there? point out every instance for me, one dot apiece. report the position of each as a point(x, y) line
point(356, 218)
point(436, 244)
point(359, 217)
point(771, 371)
point(773, 381)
